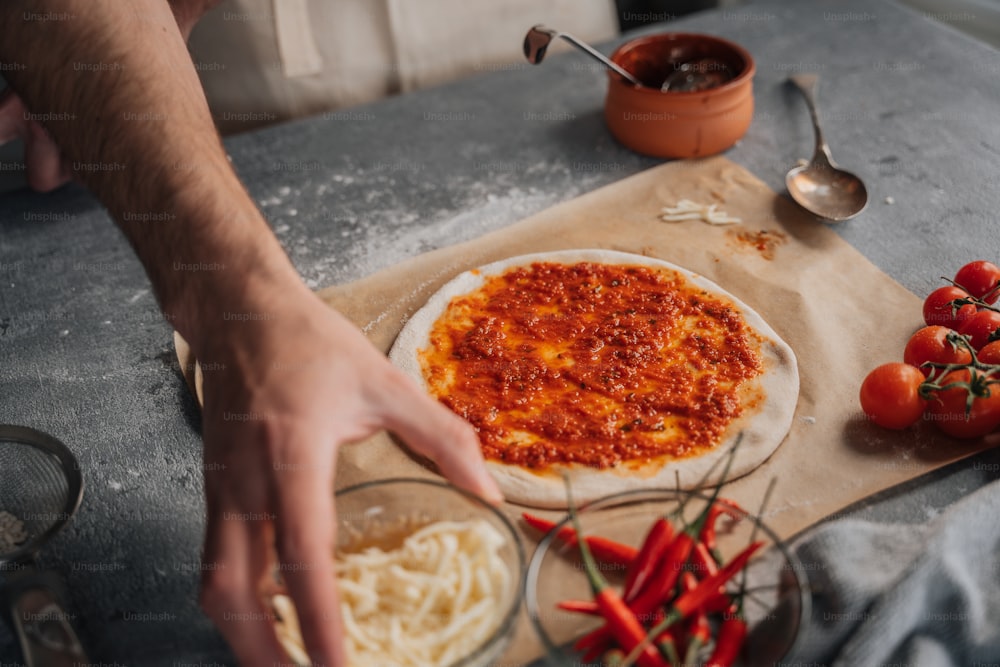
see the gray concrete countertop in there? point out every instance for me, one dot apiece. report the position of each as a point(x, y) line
point(907, 103)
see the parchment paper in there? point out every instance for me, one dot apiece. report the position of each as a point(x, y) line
point(841, 315)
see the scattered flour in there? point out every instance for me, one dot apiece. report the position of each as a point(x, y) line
point(12, 532)
point(378, 228)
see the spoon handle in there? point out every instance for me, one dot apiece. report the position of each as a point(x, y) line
point(600, 57)
point(807, 85)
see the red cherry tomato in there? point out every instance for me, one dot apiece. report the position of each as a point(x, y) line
point(948, 408)
point(937, 344)
point(890, 395)
point(938, 308)
point(981, 328)
point(980, 279)
point(990, 354)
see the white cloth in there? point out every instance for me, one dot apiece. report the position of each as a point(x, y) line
point(262, 61)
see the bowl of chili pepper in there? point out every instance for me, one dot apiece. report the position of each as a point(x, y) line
point(664, 577)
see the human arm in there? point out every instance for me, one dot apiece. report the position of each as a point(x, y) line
point(45, 166)
point(292, 380)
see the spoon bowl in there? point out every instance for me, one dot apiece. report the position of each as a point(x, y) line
point(821, 186)
point(827, 191)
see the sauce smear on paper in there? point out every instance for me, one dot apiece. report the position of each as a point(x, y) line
point(592, 364)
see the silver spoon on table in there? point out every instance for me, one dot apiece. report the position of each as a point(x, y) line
point(537, 41)
point(821, 187)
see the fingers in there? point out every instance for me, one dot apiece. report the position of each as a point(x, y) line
point(45, 166)
point(46, 169)
point(12, 122)
point(433, 430)
point(234, 565)
point(306, 536)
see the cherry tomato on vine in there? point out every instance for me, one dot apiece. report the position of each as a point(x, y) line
point(938, 308)
point(949, 412)
point(890, 395)
point(990, 354)
point(981, 328)
point(979, 279)
point(937, 344)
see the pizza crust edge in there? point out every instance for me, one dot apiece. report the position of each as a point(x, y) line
point(763, 430)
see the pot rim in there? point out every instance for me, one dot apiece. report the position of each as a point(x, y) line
point(748, 71)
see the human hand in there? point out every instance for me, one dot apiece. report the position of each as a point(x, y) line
point(294, 381)
point(45, 165)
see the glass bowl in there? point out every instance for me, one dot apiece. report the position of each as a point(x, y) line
point(384, 511)
point(776, 611)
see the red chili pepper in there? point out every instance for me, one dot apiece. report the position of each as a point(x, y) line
point(668, 647)
point(580, 606)
point(669, 566)
point(733, 630)
point(591, 639)
point(648, 606)
point(673, 562)
point(694, 600)
point(685, 632)
point(719, 507)
point(718, 603)
point(660, 541)
point(689, 582)
point(670, 563)
point(622, 624)
point(704, 563)
point(669, 570)
point(732, 633)
point(732, 508)
point(605, 550)
point(595, 652)
point(660, 589)
point(707, 588)
point(704, 566)
point(659, 536)
point(700, 635)
point(675, 557)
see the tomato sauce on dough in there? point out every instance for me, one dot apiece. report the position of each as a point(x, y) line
point(592, 364)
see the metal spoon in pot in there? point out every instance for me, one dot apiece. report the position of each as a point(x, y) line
point(537, 41)
point(821, 187)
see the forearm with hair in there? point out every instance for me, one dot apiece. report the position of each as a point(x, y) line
point(141, 138)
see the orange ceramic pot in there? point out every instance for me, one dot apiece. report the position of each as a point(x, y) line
point(679, 124)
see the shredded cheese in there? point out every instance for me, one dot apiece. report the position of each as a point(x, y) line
point(427, 603)
point(689, 210)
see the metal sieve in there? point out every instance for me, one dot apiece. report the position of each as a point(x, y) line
point(40, 489)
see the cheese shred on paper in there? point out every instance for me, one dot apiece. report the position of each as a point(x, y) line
point(429, 602)
point(689, 210)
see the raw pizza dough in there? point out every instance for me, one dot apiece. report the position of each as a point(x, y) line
point(763, 429)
